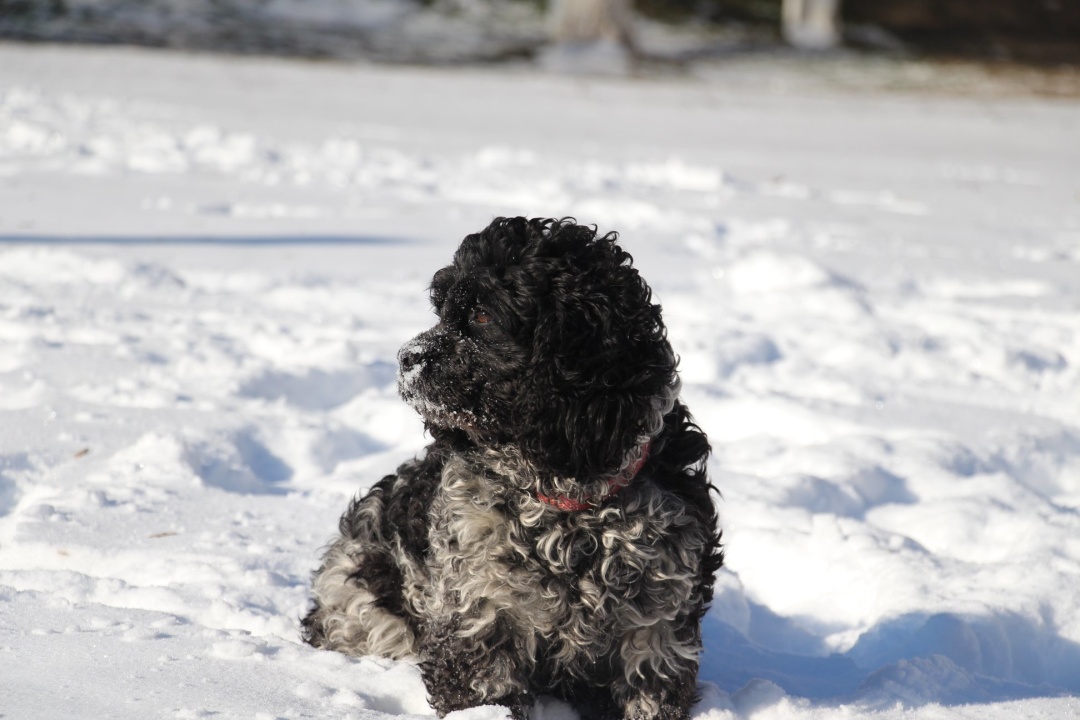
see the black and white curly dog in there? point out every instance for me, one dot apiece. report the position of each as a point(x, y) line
point(558, 536)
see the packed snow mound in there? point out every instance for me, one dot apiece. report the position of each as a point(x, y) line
point(387, 30)
point(201, 302)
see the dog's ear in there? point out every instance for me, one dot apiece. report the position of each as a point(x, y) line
point(602, 373)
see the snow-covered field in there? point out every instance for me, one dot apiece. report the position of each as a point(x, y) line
point(207, 266)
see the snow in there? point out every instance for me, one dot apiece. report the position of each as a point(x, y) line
point(207, 267)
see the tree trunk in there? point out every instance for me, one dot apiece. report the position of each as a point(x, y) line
point(581, 22)
point(589, 37)
point(811, 24)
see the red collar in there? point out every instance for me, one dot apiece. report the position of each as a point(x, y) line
point(615, 483)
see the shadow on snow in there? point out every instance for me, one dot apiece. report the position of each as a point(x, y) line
point(915, 659)
point(241, 240)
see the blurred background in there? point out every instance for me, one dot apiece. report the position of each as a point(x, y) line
point(862, 218)
point(608, 36)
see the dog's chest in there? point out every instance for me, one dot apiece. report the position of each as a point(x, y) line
point(495, 546)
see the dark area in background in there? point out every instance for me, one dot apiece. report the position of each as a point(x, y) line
point(1037, 31)
point(1029, 31)
point(1040, 32)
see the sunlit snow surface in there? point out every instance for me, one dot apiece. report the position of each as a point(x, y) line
point(207, 266)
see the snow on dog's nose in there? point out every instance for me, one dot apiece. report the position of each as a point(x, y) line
point(411, 360)
point(415, 357)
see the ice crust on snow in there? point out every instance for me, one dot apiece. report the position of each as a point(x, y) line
point(201, 306)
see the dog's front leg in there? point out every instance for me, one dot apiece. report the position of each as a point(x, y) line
point(468, 662)
point(660, 672)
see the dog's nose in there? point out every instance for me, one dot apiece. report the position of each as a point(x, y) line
point(409, 356)
point(413, 353)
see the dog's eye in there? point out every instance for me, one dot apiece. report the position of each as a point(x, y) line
point(482, 316)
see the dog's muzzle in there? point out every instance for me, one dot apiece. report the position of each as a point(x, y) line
point(417, 355)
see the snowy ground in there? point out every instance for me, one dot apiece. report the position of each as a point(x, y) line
point(207, 265)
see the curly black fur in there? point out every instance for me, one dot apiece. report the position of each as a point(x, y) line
point(548, 373)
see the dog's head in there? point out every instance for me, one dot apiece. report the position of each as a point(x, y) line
point(547, 339)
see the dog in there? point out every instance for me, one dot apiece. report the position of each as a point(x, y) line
point(558, 536)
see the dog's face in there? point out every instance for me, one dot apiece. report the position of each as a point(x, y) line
point(547, 338)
